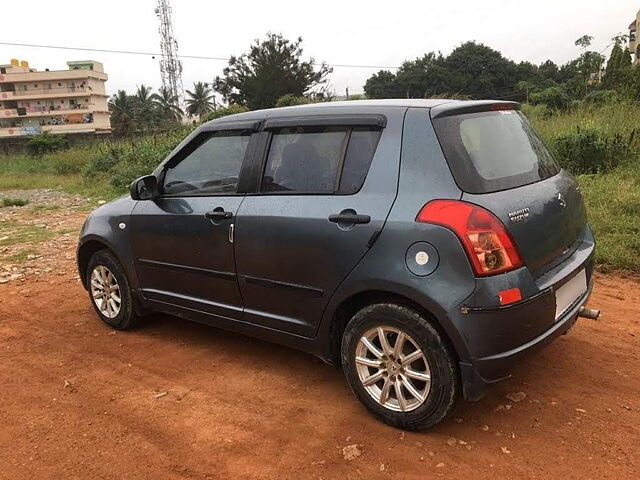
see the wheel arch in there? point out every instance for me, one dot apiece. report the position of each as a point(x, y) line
point(87, 248)
point(355, 302)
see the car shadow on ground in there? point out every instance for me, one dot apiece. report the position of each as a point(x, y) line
point(262, 358)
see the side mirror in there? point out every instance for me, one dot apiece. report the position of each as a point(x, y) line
point(144, 188)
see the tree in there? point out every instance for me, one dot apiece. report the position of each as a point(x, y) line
point(481, 72)
point(167, 105)
point(144, 107)
point(584, 42)
point(200, 101)
point(619, 65)
point(122, 107)
point(381, 85)
point(272, 68)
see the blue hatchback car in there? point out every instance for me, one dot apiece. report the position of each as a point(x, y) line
point(423, 245)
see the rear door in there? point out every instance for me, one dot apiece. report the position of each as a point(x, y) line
point(501, 164)
point(325, 189)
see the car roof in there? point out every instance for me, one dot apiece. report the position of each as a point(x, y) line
point(352, 106)
point(328, 108)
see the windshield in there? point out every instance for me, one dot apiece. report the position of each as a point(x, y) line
point(491, 151)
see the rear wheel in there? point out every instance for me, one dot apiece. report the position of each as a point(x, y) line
point(109, 291)
point(399, 366)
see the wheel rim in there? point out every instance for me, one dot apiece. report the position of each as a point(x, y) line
point(393, 369)
point(105, 291)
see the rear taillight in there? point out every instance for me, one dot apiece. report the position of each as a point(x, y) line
point(487, 243)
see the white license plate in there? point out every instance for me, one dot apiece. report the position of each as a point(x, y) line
point(568, 293)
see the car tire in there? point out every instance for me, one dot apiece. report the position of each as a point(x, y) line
point(107, 283)
point(421, 403)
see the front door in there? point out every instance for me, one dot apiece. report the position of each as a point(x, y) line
point(312, 221)
point(182, 241)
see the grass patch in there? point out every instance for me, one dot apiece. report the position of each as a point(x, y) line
point(13, 233)
point(613, 208)
point(45, 208)
point(13, 202)
point(21, 256)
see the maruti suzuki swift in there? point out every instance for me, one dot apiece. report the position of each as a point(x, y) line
point(423, 245)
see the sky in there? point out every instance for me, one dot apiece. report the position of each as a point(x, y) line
point(337, 32)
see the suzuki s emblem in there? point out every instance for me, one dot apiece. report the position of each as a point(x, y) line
point(561, 200)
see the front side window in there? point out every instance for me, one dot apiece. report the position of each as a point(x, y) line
point(323, 159)
point(212, 167)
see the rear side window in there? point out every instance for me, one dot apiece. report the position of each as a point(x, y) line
point(491, 151)
point(326, 159)
point(212, 167)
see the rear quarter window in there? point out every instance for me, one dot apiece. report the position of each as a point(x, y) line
point(492, 151)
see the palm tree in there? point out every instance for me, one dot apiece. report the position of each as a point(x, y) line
point(123, 111)
point(145, 105)
point(167, 105)
point(200, 101)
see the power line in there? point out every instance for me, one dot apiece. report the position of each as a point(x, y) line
point(154, 54)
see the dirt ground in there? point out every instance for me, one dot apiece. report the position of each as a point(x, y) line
point(175, 400)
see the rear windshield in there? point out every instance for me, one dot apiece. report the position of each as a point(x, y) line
point(491, 151)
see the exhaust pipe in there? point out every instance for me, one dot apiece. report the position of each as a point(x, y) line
point(589, 313)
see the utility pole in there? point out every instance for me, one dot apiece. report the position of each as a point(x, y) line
point(170, 65)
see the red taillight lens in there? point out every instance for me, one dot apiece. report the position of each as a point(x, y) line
point(489, 247)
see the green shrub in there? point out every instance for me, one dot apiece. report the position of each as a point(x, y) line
point(46, 143)
point(69, 161)
point(600, 97)
point(13, 202)
point(591, 150)
point(290, 100)
point(553, 97)
point(224, 111)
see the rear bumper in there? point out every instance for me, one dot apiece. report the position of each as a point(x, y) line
point(499, 336)
point(483, 372)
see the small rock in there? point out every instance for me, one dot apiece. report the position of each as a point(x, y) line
point(500, 408)
point(440, 465)
point(382, 467)
point(452, 441)
point(516, 396)
point(101, 202)
point(160, 395)
point(505, 450)
point(581, 410)
point(485, 428)
point(351, 452)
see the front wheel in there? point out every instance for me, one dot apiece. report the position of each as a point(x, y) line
point(399, 366)
point(109, 291)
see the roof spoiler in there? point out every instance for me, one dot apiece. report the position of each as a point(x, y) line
point(471, 106)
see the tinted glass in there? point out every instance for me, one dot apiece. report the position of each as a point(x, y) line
point(491, 151)
point(213, 167)
point(362, 145)
point(304, 159)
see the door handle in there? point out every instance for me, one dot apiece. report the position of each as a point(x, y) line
point(218, 215)
point(349, 218)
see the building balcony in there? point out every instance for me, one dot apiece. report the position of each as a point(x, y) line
point(48, 76)
point(46, 93)
point(59, 129)
point(44, 110)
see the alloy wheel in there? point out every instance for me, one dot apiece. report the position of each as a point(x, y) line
point(105, 291)
point(393, 369)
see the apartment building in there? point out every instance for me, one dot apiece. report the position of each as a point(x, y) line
point(71, 101)
point(634, 44)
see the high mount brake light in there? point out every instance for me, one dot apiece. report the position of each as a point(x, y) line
point(489, 246)
point(502, 106)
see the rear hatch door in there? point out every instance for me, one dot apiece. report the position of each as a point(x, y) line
point(501, 164)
